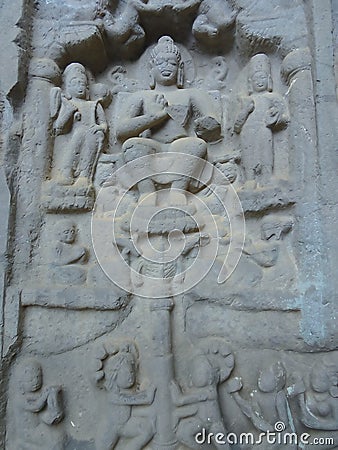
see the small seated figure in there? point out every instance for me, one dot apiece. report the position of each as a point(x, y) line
point(167, 118)
point(269, 251)
point(269, 403)
point(38, 410)
point(214, 18)
point(262, 113)
point(79, 126)
point(319, 404)
point(228, 170)
point(68, 256)
point(199, 407)
point(118, 378)
point(274, 230)
point(265, 254)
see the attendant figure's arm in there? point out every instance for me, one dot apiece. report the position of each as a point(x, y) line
point(181, 399)
point(101, 119)
point(277, 116)
point(64, 117)
point(243, 115)
point(143, 397)
point(250, 410)
point(36, 402)
point(69, 254)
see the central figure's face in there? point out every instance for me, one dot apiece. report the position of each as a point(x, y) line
point(166, 69)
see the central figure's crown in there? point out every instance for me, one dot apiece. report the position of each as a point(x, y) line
point(166, 45)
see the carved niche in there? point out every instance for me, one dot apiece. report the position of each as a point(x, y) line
point(158, 290)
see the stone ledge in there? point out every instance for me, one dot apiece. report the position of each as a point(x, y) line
point(75, 298)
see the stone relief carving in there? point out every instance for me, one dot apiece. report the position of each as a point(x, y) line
point(125, 29)
point(268, 404)
point(169, 119)
point(262, 113)
point(79, 126)
point(202, 104)
point(214, 19)
point(68, 257)
point(117, 376)
point(38, 410)
point(318, 403)
point(207, 372)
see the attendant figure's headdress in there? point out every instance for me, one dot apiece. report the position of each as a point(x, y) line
point(260, 63)
point(74, 70)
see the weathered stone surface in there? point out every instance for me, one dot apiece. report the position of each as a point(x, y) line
point(168, 224)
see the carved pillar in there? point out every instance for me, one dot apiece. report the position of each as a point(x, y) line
point(32, 165)
point(36, 152)
point(323, 14)
point(296, 69)
point(162, 360)
point(16, 25)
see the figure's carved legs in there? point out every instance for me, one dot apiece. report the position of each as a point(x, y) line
point(135, 148)
point(90, 149)
point(190, 433)
point(216, 428)
point(141, 430)
point(107, 437)
point(71, 157)
point(257, 158)
point(187, 430)
point(190, 167)
point(182, 169)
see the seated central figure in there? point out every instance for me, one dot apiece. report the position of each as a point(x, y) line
point(165, 119)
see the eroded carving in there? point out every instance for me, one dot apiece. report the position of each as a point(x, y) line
point(319, 403)
point(124, 28)
point(80, 127)
point(208, 371)
point(167, 119)
point(268, 404)
point(82, 122)
point(213, 21)
point(38, 410)
point(116, 374)
point(257, 154)
point(262, 113)
point(69, 257)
